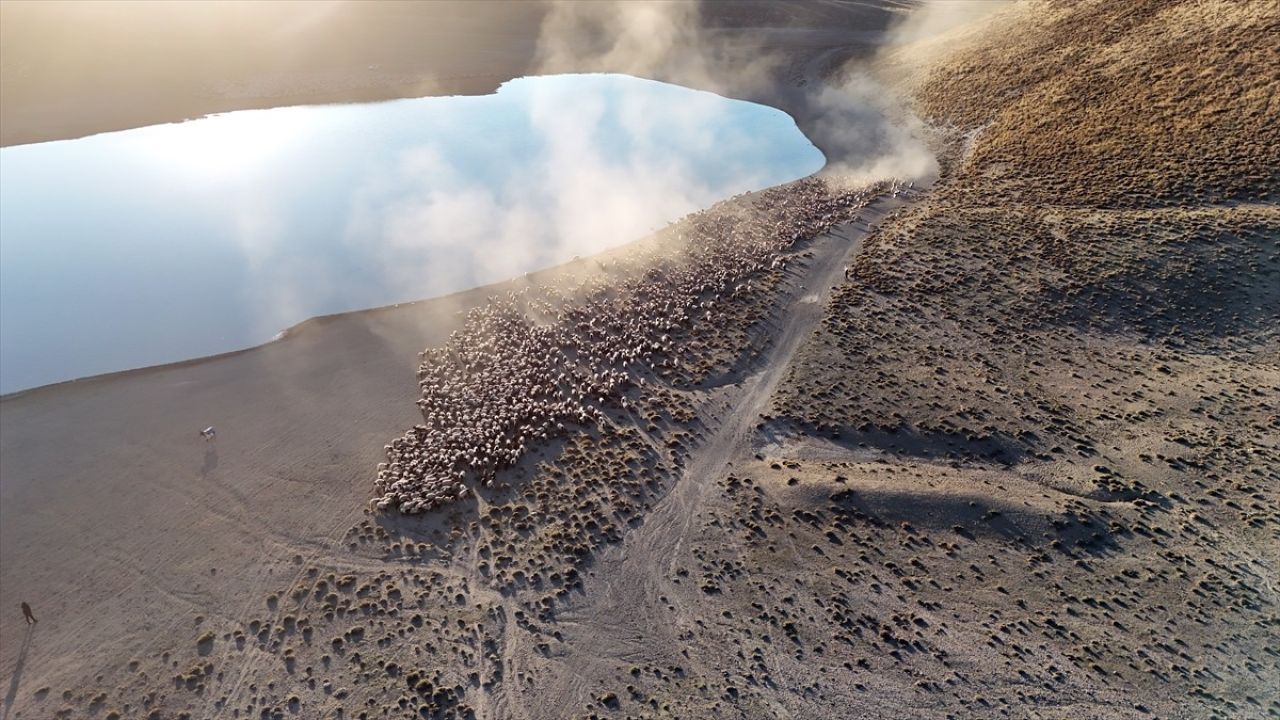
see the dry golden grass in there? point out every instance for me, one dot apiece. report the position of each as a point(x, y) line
point(1121, 104)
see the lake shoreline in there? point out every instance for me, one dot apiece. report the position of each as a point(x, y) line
point(455, 302)
point(417, 54)
point(523, 191)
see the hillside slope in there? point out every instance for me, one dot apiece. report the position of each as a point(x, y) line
point(1087, 302)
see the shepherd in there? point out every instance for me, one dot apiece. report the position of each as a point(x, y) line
point(209, 434)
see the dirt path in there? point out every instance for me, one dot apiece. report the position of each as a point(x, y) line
point(621, 614)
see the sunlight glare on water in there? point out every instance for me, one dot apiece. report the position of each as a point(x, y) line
point(170, 242)
point(220, 148)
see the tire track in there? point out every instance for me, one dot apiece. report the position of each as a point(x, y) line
point(618, 614)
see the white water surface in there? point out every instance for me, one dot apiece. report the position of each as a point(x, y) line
point(170, 242)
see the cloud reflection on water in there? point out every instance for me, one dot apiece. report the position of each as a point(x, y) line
point(170, 242)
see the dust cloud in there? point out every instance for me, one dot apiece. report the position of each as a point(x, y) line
point(596, 171)
point(587, 199)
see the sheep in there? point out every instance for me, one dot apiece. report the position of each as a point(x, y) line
point(503, 384)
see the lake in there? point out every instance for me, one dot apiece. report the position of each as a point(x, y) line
point(170, 242)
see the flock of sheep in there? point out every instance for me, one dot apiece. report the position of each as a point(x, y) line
point(535, 364)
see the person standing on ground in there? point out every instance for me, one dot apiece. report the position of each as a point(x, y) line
point(26, 613)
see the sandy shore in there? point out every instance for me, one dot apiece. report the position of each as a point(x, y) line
point(114, 507)
point(121, 525)
point(114, 80)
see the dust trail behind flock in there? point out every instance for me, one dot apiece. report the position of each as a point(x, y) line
point(841, 99)
point(593, 202)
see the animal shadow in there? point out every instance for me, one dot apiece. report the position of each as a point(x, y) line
point(210, 461)
point(14, 682)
